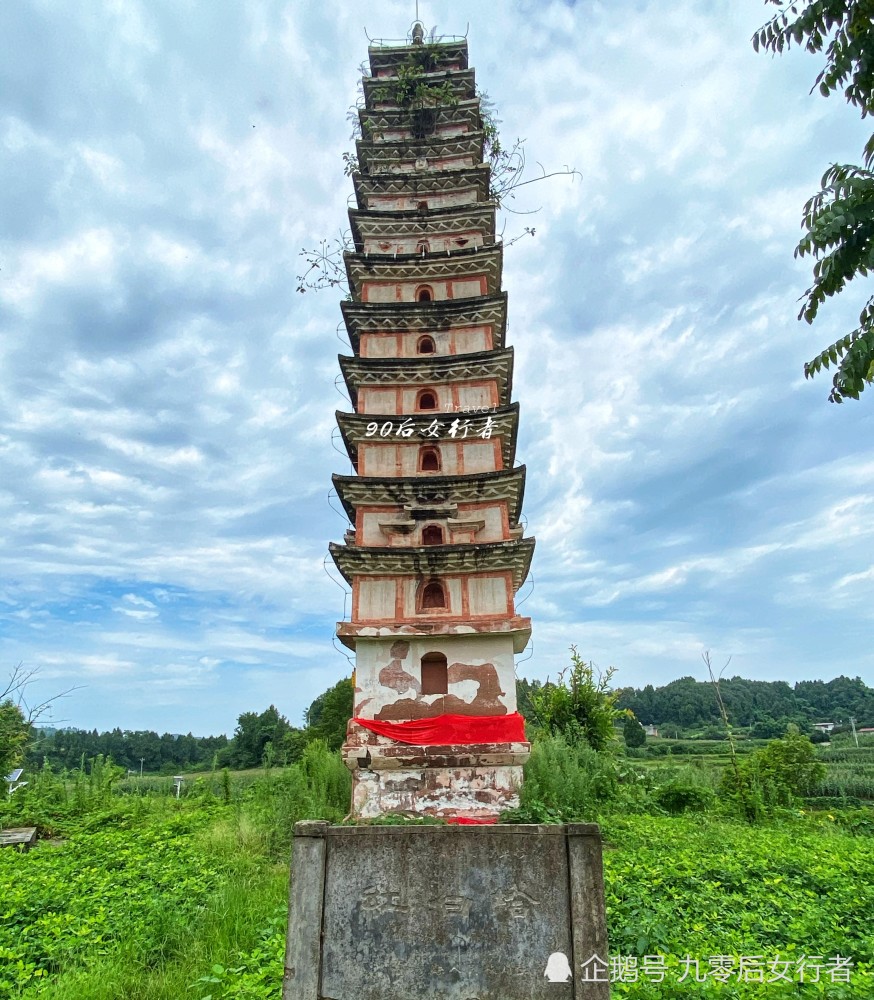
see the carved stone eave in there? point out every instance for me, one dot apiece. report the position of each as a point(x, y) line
point(437, 222)
point(419, 187)
point(516, 628)
point(363, 491)
point(462, 82)
point(380, 157)
point(384, 58)
point(468, 262)
point(425, 317)
point(353, 427)
point(424, 561)
point(429, 369)
point(373, 121)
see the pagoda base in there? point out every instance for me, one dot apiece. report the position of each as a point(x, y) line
point(473, 793)
point(462, 781)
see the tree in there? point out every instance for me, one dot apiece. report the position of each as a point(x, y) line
point(579, 706)
point(14, 735)
point(633, 732)
point(839, 219)
point(328, 716)
point(776, 775)
point(18, 715)
point(253, 733)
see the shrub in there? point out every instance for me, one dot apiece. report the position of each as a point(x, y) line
point(579, 706)
point(677, 797)
point(564, 782)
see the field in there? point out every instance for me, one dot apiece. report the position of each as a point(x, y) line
point(142, 896)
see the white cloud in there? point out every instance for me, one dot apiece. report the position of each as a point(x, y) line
point(166, 398)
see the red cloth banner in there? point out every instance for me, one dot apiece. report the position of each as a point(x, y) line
point(446, 730)
point(470, 821)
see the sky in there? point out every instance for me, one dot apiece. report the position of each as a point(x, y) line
point(167, 397)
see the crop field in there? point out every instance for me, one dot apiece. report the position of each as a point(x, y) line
point(165, 899)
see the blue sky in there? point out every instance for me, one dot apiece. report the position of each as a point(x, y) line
point(167, 398)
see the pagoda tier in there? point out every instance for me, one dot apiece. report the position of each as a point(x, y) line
point(456, 326)
point(435, 553)
point(432, 561)
point(450, 274)
point(385, 61)
point(389, 124)
point(445, 229)
point(410, 155)
point(421, 192)
point(462, 84)
point(486, 370)
point(380, 446)
point(358, 493)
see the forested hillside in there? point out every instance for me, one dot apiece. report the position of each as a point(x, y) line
point(687, 702)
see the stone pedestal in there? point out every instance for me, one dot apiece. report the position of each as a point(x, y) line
point(498, 912)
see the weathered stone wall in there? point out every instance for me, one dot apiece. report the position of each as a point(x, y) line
point(477, 793)
point(446, 913)
point(481, 677)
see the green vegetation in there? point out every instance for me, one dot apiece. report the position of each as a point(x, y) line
point(839, 219)
point(148, 897)
point(766, 706)
point(633, 732)
point(704, 887)
point(260, 738)
point(141, 895)
point(154, 899)
point(13, 736)
point(579, 705)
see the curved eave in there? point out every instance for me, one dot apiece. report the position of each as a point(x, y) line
point(371, 317)
point(373, 155)
point(430, 369)
point(360, 491)
point(435, 560)
point(466, 262)
point(436, 221)
point(420, 185)
point(505, 423)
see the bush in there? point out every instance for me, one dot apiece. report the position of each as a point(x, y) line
point(563, 783)
point(634, 733)
point(774, 776)
point(318, 786)
point(677, 797)
point(579, 706)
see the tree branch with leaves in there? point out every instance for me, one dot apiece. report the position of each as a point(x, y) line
point(839, 219)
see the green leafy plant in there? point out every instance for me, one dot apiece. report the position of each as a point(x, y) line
point(633, 732)
point(579, 705)
point(839, 219)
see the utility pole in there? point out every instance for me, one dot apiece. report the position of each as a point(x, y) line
point(141, 766)
point(855, 734)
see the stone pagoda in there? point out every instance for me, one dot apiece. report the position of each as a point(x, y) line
point(436, 553)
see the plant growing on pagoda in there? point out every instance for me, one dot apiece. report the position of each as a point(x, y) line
point(325, 267)
point(412, 88)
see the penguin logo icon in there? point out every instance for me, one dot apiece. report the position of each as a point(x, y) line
point(558, 969)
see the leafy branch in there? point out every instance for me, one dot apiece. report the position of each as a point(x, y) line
point(838, 219)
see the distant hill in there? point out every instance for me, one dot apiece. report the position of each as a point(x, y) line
point(688, 702)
